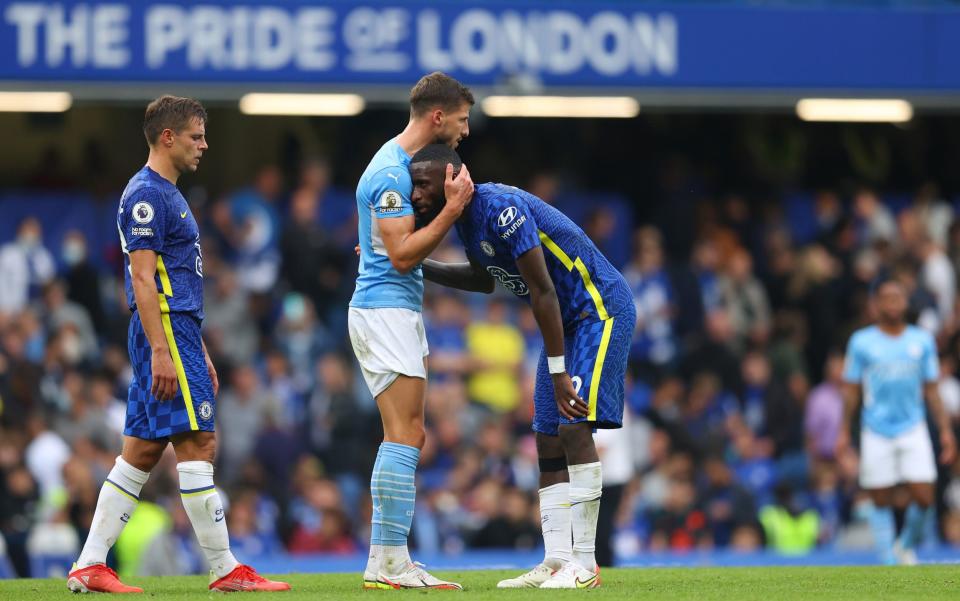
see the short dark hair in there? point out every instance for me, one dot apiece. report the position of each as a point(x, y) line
point(437, 153)
point(882, 280)
point(170, 112)
point(438, 90)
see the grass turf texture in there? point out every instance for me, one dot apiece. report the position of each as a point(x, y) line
point(924, 583)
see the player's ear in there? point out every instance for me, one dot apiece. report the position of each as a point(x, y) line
point(166, 137)
point(436, 117)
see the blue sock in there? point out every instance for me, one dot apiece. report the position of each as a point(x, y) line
point(393, 490)
point(375, 537)
point(914, 524)
point(882, 525)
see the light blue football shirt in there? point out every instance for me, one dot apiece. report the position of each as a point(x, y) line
point(893, 370)
point(384, 193)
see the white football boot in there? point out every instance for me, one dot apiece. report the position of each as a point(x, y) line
point(414, 576)
point(532, 579)
point(573, 575)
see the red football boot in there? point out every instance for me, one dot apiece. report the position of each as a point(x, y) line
point(97, 578)
point(245, 578)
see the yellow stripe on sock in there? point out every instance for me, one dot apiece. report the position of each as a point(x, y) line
point(122, 492)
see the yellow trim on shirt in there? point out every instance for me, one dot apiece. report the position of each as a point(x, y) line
point(581, 268)
point(164, 277)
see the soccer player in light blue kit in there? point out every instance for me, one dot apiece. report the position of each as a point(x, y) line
point(895, 366)
point(385, 322)
point(172, 396)
point(585, 312)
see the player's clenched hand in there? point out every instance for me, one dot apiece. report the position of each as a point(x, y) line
point(164, 385)
point(214, 380)
point(948, 447)
point(458, 190)
point(564, 393)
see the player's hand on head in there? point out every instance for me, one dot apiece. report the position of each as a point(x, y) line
point(564, 392)
point(164, 377)
point(457, 190)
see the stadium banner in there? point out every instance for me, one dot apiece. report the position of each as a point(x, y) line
point(575, 43)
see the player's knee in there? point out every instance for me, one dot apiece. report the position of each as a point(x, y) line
point(548, 446)
point(416, 436)
point(144, 459)
point(411, 434)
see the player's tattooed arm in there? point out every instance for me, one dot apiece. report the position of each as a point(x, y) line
point(948, 444)
point(143, 271)
point(463, 276)
point(546, 310)
point(851, 401)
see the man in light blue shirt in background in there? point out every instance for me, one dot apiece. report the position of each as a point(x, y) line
point(894, 365)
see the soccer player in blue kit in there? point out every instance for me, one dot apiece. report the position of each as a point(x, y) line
point(895, 366)
point(385, 322)
point(586, 316)
point(172, 394)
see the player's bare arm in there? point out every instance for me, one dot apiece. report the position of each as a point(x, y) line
point(143, 267)
point(851, 401)
point(546, 310)
point(464, 276)
point(948, 444)
point(407, 246)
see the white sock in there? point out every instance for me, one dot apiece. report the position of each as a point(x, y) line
point(373, 560)
point(205, 510)
point(586, 487)
point(395, 559)
point(555, 521)
point(118, 498)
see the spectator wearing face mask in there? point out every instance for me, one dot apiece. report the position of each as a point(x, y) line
point(25, 266)
point(82, 278)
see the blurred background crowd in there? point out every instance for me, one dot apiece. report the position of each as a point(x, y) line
point(744, 307)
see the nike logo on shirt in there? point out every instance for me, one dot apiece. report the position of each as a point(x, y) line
point(183, 215)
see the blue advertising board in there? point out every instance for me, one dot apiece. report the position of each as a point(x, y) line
point(558, 44)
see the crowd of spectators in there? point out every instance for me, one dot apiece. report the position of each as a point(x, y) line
point(732, 409)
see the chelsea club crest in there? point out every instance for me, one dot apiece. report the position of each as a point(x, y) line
point(206, 410)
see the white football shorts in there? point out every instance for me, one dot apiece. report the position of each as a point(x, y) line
point(388, 342)
point(886, 462)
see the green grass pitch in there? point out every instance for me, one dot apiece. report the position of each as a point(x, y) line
point(922, 583)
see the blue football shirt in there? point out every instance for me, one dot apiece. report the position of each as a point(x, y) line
point(154, 215)
point(503, 222)
point(892, 370)
point(384, 193)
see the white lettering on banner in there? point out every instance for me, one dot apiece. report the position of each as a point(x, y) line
point(373, 38)
point(165, 30)
point(555, 42)
point(109, 33)
point(26, 18)
point(314, 38)
point(266, 38)
point(208, 38)
point(93, 36)
point(63, 33)
point(273, 36)
point(273, 40)
point(431, 57)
